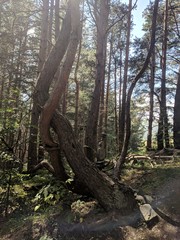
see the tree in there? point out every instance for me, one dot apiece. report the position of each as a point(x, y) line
point(110, 195)
point(18, 71)
point(33, 138)
point(151, 102)
point(130, 91)
point(163, 135)
point(101, 10)
point(125, 80)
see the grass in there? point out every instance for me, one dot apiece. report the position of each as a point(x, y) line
point(148, 179)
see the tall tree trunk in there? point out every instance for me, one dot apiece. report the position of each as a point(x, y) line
point(123, 155)
point(50, 27)
point(120, 86)
point(44, 35)
point(107, 94)
point(115, 101)
point(57, 19)
point(151, 103)
point(92, 122)
point(177, 115)
point(123, 106)
point(77, 90)
point(163, 135)
point(33, 135)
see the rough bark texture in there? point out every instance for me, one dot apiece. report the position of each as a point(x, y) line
point(177, 115)
point(130, 91)
point(151, 104)
point(92, 123)
point(43, 83)
point(163, 135)
point(50, 27)
point(60, 85)
point(57, 18)
point(110, 195)
point(107, 93)
point(123, 105)
point(44, 35)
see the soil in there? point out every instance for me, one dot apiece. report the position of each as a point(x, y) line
point(85, 220)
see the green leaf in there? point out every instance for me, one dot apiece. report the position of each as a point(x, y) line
point(37, 207)
point(45, 192)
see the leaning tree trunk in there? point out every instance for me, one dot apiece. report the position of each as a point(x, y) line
point(110, 195)
point(130, 91)
point(41, 95)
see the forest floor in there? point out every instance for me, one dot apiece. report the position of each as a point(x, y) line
point(84, 219)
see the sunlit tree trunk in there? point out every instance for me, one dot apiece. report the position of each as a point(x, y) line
point(125, 80)
point(163, 135)
point(44, 35)
point(115, 101)
point(120, 86)
point(101, 18)
point(151, 103)
point(110, 195)
point(57, 18)
point(50, 27)
point(107, 92)
point(77, 85)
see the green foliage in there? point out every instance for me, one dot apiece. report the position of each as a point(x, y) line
point(12, 193)
point(50, 194)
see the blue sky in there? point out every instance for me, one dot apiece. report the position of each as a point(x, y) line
point(137, 16)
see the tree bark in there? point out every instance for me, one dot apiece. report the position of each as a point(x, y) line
point(44, 35)
point(110, 195)
point(115, 101)
point(76, 119)
point(107, 93)
point(163, 135)
point(92, 122)
point(151, 103)
point(50, 27)
point(43, 83)
point(123, 105)
point(60, 85)
point(57, 19)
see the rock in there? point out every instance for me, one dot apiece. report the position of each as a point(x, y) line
point(140, 199)
point(149, 215)
point(148, 199)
